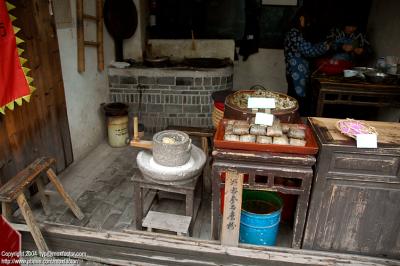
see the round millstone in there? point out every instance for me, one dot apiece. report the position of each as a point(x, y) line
point(168, 175)
point(171, 148)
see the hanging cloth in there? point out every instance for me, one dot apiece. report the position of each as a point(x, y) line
point(249, 44)
point(14, 79)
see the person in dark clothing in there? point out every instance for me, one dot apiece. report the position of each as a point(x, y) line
point(297, 51)
point(348, 43)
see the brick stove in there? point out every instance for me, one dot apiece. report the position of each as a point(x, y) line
point(178, 96)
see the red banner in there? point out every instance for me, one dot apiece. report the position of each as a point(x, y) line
point(10, 244)
point(13, 84)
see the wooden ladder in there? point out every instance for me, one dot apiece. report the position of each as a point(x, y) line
point(98, 19)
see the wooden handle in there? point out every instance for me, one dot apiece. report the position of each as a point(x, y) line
point(135, 129)
point(144, 144)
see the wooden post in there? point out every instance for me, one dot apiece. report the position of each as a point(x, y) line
point(31, 223)
point(67, 198)
point(135, 129)
point(80, 36)
point(100, 47)
point(232, 209)
point(204, 145)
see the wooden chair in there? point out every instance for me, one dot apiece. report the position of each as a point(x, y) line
point(13, 190)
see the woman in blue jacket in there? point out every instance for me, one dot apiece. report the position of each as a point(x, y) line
point(297, 52)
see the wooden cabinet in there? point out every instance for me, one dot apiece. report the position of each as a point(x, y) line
point(355, 202)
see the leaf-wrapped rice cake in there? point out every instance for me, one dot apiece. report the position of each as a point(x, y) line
point(297, 142)
point(283, 140)
point(231, 137)
point(264, 140)
point(258, 130)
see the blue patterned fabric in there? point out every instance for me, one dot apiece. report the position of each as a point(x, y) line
point(297, 50)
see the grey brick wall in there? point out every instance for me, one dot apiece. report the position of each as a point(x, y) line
point(173, 99)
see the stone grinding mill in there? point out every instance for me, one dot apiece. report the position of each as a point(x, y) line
point(170, 163)
point(173, 161)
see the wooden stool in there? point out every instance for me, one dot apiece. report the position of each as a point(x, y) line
point(192, 194)
point(205, 134)
point(14, 190)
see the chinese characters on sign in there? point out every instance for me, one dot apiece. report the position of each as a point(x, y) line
point(232, 205)
point(231, 214)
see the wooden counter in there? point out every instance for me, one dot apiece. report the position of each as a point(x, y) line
point(356, 193)
point(265, 172)
point(337, 90)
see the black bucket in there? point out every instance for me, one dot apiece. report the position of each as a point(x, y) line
point(115, 109)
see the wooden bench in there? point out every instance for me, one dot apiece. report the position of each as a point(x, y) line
point(14, 189)
point(205, 134)
point(167, 222)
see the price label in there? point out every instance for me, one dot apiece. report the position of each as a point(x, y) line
point(264, 103)
point(264, 119)
point(367, 141)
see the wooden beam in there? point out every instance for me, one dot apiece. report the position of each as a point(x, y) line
point(99, 35)
point(90, 43)
point(89, 17)
point(149, 247)
point(80, 36)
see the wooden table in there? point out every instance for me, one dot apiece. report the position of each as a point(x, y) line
point(337, 90)
point(264, 169)
point(354, 205)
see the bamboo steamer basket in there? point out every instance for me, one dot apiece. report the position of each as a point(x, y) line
point(233, 111)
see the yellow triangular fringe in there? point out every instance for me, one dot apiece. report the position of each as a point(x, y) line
point(29, 79)
point(10, 105)
point(19, 41)
point(19, 101)
point(9, 6)
point(27, 98)
point(26, 70)
point(22, 61)
point(16, 29)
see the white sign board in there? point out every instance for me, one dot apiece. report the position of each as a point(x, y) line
point(264, 119)
point(264, 103)
point(367, 141)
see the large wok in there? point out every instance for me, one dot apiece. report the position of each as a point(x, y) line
point(121, 19)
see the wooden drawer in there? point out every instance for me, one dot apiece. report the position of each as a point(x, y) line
point(365, 164)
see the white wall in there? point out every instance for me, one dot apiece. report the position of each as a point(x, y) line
point(384, 27)
point(384, 34)
point(265, 68)
point(179, 49)
point(134, 46)
point(84, 92)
